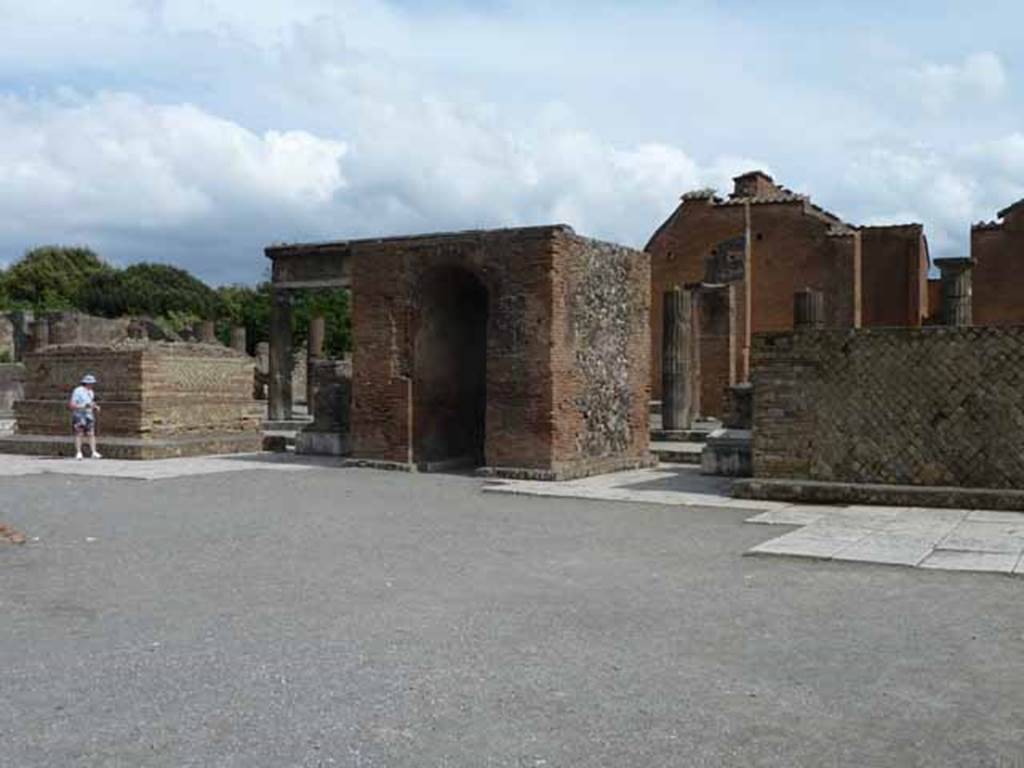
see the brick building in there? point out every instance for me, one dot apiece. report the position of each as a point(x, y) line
point(521, 351)
point(997, 250)
point(746, 255)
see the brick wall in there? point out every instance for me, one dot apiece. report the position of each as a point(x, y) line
point(929, 406)
point(145, 390)
point(998, 279)
point(894, 273)
point(549, 403)
point(791, 249)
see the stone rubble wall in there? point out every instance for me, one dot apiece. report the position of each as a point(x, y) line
point(936, 406)
point(601, 351)
point(159, 390)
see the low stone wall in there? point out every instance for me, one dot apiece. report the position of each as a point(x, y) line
point(149, 391)
point(935, 406)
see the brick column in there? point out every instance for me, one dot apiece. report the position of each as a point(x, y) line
point(808, 309)
point(676, 360)
point(956, 291)
point(280, 379)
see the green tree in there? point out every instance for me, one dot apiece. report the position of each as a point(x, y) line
point(159, 290)
point(52, 277)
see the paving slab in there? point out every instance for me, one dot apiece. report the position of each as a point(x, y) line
point(888, 549)
point(951, 560)
point(986, 537)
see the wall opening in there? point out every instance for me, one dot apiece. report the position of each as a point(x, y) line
point(450, 377)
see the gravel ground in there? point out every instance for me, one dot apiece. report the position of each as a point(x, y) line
point(360, 618)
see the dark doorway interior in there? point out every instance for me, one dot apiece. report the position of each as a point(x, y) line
point(450, 381)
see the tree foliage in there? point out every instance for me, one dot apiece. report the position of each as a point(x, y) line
point(55, 277)
point(149, 289)
point(51, 277)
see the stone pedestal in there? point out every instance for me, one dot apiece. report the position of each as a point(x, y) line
point(331, 404)
point(729, 450)
point(158, 400)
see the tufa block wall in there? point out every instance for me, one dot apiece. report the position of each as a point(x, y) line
point(158, 390)
point(937, 406)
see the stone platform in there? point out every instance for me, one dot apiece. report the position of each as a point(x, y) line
point(134, 448)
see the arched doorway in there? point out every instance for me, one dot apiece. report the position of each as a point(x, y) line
point(450, 378)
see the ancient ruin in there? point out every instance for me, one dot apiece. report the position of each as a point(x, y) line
point(158, 400)
point(743, 257)
point(997, 252)
point(522, 352)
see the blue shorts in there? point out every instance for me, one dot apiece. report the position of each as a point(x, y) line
point(83, 421)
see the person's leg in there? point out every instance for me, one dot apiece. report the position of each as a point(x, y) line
point(78, 443)
point(92, 441)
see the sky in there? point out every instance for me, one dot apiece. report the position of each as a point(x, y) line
point(196, 132)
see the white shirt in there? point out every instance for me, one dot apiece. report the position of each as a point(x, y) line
point(82, 398)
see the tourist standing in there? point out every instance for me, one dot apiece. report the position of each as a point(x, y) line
point(83, 415)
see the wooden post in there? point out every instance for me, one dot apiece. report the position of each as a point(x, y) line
point(956, 290)
point(238, 339)
point(808, 309)
point(676, 371)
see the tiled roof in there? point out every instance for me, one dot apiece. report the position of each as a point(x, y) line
point(1011, 208)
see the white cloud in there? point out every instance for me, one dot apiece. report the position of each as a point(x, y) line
point(979, 76)
point(200, 130)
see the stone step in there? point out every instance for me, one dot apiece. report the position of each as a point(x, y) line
point(677, 452)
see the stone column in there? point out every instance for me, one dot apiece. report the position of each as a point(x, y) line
point(22, 321)
point(956, 291)
point(39, 334)
point(808, 309)
point(207, 332)
point(314, 351)
point(676, 359)
point(280, 380)
point(261, 377)
point(238, 339)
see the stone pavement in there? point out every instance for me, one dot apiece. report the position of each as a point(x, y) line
point(943, 539)
point(159, 469)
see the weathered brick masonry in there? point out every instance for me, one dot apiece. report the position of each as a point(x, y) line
point(766, 242)
point(937, 406)
point(524, 350)
point(997, 249)
point(157, 392)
